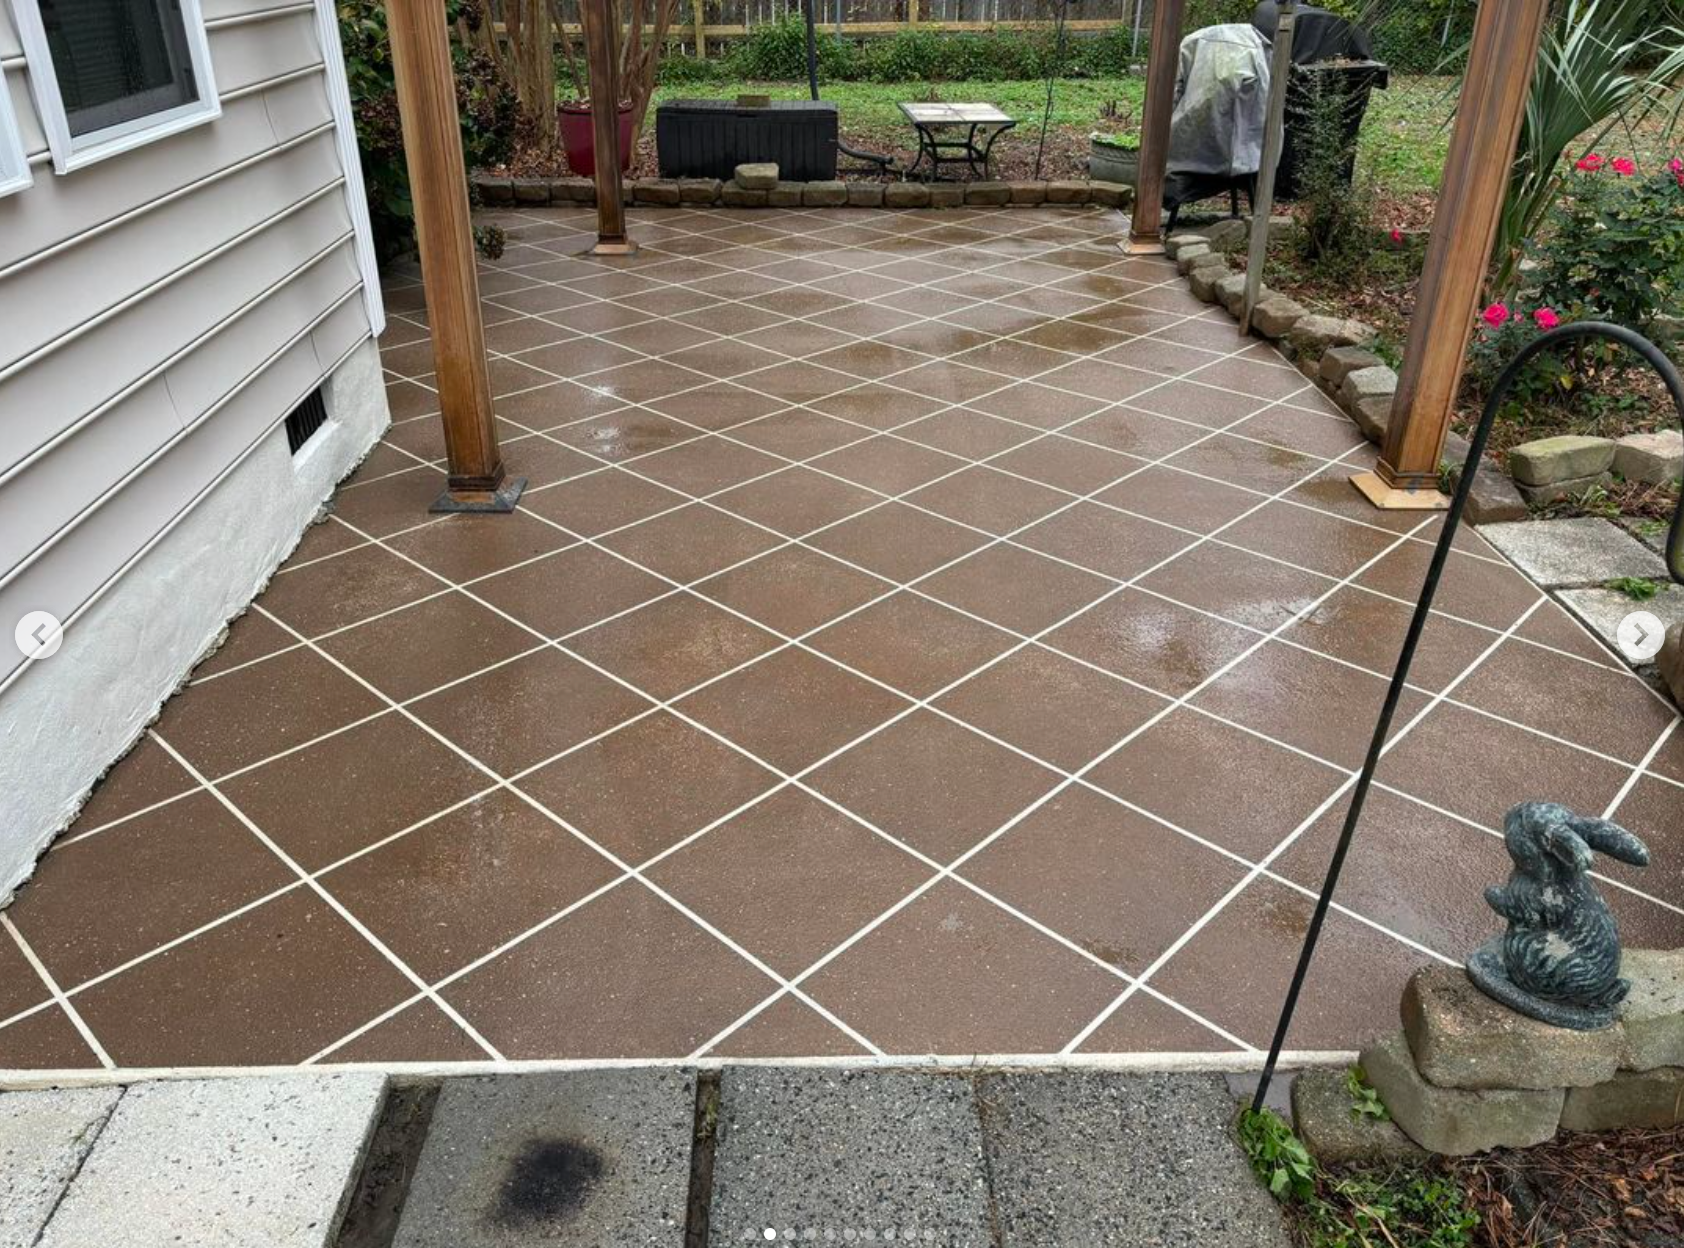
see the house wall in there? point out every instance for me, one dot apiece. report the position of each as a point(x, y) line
point(161, 312)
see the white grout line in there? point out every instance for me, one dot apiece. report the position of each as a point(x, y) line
point(629, 872)
point(733, 745)
point(315, 886)
point(1309, 822)
point(1642, 768)
point(58, 996)
point(962, 464)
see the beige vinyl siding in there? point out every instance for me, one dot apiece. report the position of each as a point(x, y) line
point(162, 310)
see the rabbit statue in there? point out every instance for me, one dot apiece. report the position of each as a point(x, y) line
point(1559, 961)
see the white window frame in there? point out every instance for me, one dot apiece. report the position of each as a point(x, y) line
point(76, 151)
point(14, 161)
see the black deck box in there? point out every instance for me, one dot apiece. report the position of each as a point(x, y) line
point(710, 138)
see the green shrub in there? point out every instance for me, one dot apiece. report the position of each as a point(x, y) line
point(1613, 244)
point(906, 56)
point(1336, 202)
point(681, 70)
point(777, 52)
point(486, 105)
point(1109, 54)
point(1501, 333)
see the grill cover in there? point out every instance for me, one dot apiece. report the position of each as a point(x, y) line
point(1221, 98)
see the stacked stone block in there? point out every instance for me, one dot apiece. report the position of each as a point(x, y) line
point(1466, 1074)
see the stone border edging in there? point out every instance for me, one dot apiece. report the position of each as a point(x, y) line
point(502, 192)
point(1333, 352)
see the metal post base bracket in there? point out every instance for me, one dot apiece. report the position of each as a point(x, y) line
point(1143, 247)
point(502, 499)
point(613, 247)
point(1390, 498)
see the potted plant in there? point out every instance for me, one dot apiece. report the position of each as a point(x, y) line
point(525, 54)
point(1114, 154)
point(578, 137)
point(643, 26)
point(1114, 158)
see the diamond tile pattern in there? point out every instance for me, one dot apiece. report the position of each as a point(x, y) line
point(921, 633)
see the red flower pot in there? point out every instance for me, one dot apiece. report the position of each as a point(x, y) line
point(578, 136)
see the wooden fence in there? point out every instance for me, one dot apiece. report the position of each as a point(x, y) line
point(702, 21)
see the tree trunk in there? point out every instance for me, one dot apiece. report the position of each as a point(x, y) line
point(566, 41)
point(642, 58)
point(532, 50)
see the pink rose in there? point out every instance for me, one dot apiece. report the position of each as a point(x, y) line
point(1495, 315)
point(1624, 167)
point(1546, 318)
point(1397, 235)
point(1590, 163)
point(1675, 165)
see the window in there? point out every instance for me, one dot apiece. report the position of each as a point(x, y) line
point(110, 75)
point(14, 165)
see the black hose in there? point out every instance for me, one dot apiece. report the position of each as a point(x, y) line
point(883, 163)
point(812, 50)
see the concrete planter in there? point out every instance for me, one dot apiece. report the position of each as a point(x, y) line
point(1113, 164)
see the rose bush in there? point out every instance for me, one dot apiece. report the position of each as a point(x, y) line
point(1613, 248)
point(1499, 335)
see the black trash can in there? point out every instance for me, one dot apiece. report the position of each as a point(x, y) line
point(1342, 87)
point(710, 138)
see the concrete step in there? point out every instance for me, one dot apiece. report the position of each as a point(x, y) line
point(1094, 1157)
point(240, 1163)
point(44, 1138)
point(1024, 1160)
point(636, 1159)
point(588, 1158)
point(867, 1156)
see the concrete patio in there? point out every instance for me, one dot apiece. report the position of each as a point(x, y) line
point(922, 633)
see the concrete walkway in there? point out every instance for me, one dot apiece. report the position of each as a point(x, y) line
point(610, 1159)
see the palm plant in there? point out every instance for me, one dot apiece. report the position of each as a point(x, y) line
point(1600, 69)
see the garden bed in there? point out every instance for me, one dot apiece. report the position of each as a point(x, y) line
point(1605, 1189)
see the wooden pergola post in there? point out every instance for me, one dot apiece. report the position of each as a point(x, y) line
point(602, 36)
point(1162, 62)
point(432, 141)
point(1495, 87)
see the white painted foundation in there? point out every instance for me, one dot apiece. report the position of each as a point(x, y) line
point(67, 719)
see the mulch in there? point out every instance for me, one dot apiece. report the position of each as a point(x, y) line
point(1621, 1189)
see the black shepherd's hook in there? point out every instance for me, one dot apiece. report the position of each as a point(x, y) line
point(1452, 520)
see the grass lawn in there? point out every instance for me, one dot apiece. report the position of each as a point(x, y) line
point(871, 119)
point(1405, 133)
point(870, 107)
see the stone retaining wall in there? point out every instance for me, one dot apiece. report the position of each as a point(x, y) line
point(1466, 1074)
point(707, 192)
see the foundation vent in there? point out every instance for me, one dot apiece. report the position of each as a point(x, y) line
point(305, 419)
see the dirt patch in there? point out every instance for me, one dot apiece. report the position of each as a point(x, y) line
point(377, 1204)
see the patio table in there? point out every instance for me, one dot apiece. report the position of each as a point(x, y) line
point(976, 120)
